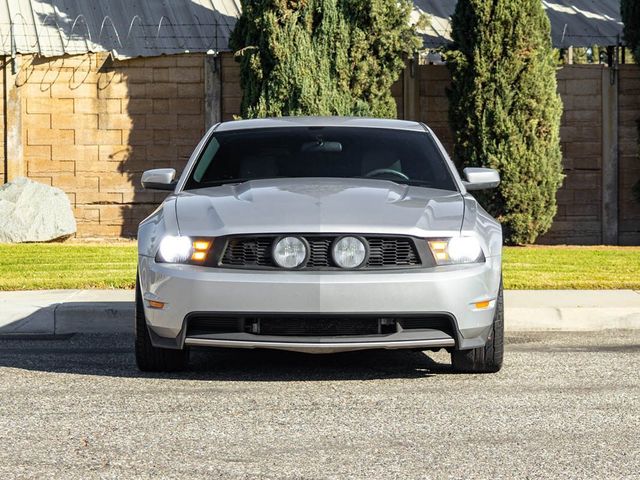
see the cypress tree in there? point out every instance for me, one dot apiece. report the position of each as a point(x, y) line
point(322, 57)
point(505, 111)
point(630, 12)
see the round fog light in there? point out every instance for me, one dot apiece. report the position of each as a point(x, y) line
point(349, 252)
point(289, 252)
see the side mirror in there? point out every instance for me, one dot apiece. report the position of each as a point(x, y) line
point(480, 178)
point(159, 179)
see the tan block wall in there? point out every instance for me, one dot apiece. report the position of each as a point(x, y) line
point(231, 91)
point(91, 126)
point(397, 92)
point(433, 104)
point(579, 217)
point(629, 162)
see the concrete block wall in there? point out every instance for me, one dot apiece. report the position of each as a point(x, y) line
point(397, 92)
point(579, 217)
point(231, 91)
point(433, 105)
point(91, 125)
point(629, 92)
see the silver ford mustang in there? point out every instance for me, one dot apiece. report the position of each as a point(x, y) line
point(320, 235)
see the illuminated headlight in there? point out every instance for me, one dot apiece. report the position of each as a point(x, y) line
point(181, 249)
point(289, 252)
point(456, 250)
point(349, 252)
point(175, 249)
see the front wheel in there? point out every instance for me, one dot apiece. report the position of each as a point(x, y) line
point(487, 359)
point(148, 357)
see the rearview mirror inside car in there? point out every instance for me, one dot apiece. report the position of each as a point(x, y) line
point(159, 179)
point(480, 178)
point(321, 147)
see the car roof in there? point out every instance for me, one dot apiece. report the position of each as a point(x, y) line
point(358, 122)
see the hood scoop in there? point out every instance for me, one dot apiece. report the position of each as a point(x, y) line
point(319, 205)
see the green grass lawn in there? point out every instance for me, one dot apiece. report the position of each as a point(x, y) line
point(36, 266)
point(74, 265)
point(556, 268)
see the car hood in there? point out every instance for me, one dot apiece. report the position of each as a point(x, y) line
point(319, 205)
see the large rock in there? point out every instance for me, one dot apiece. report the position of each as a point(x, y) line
point(33, 212)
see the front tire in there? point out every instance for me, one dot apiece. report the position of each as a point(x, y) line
point(487, 359)
point(148, 357)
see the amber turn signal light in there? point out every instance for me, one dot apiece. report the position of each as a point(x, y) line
point(439, 250)
point(155, 304)
point(200, 250)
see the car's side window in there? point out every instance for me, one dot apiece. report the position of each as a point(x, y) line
point(206, 159)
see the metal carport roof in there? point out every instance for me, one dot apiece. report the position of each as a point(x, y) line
point(128, 28)
point(132, 28)
point(578, 23)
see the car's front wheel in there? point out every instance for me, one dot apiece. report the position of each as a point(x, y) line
point(148, 357)
point(487, 359)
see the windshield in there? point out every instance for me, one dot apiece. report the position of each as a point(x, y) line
point(401, 156)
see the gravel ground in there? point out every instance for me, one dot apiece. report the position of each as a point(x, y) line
point(564, 405)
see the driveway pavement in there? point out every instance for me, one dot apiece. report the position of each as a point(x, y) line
point(564, 406)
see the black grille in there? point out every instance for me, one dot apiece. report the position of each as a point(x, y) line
point(318, 326)
point(391, 251)
point(314, 325)
point(384, 252)
point(248, 252)
point(319, 252)
point(202, 325)
point(433, 322)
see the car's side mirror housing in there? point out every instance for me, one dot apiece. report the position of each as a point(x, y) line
point(480, 178)
point(159, 179)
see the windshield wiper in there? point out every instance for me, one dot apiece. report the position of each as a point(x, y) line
point(230, 181)
point(400, 181)
point(416, 183)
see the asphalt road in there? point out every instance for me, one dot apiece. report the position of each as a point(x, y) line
point(565, 405)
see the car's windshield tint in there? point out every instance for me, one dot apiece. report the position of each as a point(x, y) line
point(401, 156)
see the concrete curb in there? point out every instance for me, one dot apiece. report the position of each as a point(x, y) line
point(59, 312)
point(571, 310)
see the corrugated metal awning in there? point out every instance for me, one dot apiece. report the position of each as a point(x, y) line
point(133, 28)
point(578, 23)
point(127, 28)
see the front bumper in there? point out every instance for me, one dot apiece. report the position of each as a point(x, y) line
point(450, 290)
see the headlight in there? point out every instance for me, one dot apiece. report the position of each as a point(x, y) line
point(181, 249)
point(175, 249)
point(456, 250)
point(349, 252)
point(289, 252)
